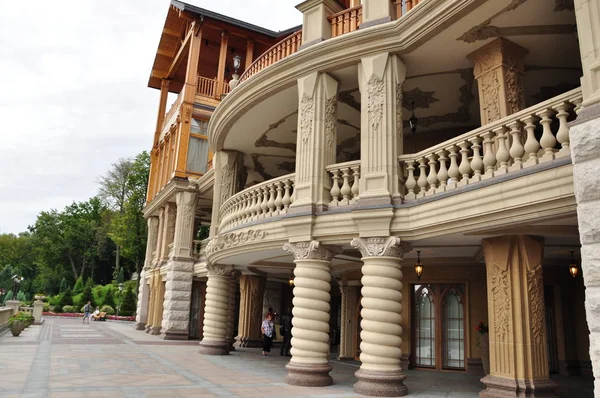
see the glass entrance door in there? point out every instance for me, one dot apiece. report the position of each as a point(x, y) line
point(438, 326)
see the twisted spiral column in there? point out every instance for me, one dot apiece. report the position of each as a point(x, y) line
point(309, 365)
point(380, 373)
point(231, 310)
point(216, 310)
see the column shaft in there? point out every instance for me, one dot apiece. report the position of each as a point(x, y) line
point(231, 311)
point(158, 304)
point(518, 351)
point(252, 291)
point(141, 317)
point(309, 365)
point(151, 300)
point(216, 310)
point(380, 373)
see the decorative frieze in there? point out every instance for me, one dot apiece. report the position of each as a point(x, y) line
point(232, 239)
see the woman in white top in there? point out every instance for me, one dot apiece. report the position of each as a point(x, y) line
point(267, 329)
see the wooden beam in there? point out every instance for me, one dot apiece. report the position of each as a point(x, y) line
point(249, 53)
point(171, 32)
point(162, 107)
point(183, 50)
point(222, 62)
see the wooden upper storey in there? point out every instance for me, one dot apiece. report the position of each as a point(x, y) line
point(222, 38)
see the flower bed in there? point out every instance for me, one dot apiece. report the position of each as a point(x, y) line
point(80, 315)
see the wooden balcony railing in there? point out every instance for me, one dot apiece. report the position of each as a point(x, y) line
point(345, 21)
point(285, 47)
point(173, 110)
point(207, 87)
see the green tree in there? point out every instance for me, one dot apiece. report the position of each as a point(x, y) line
point(78, 288)
point(87, 292)
point(128, 303)
point(63, 285)
point(109, 298)
point(128, 227)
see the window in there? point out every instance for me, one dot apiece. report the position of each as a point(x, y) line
point(439, 326)
point(197, 160)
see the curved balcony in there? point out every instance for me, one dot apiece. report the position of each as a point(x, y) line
point(263, 201)
point(530, 141)
point(499, 148)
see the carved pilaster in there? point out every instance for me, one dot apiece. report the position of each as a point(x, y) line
point(587, 13)
point(151, 242)
point(252, 291)
point(159, 245)
point(317, 139)
point(380, 78)
point(499, 68)
point(518, 351)
point(184, 227)
point(230, 177)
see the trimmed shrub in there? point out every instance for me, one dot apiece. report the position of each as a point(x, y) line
point(78, 286)
point(108, 309)
point(46, 307)
point(21, 296)
point(109, 298)
point(128, 306)
point(68, 309)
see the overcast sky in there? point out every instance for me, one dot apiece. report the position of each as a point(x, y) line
point(73, 96)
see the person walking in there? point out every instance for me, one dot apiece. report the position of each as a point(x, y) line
point(286, 332)
point(267, 329)
point(86, 310)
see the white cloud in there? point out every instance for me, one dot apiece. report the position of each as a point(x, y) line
point(74, 97)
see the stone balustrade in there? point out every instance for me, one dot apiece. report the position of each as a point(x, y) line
point(529, 137)
point(262, 201)
point(345, 182)
point(200, 249)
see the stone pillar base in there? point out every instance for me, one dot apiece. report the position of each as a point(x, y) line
point(176, 335)
point(140, 326)
point(501, 387)
point(148, 328)
point(231, 343)
point(308, 375)
point(380, 383)
point(214, 347)
point(405, 362)
point(246, 342)
point(155, 331)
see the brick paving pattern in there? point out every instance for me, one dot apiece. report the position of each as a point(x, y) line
point(66, 358)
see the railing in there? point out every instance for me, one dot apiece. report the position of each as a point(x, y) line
point(344, 185)
point(285, 47)
point(345, 21)
point(265, 200)
point(173, 110)
point(501, 147)
point(207, 87)
point(5, 314)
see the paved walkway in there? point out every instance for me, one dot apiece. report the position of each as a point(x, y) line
point(65, 358)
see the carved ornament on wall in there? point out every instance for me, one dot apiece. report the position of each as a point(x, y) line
point(386, 247)
point(375, 95)
point(306, 115)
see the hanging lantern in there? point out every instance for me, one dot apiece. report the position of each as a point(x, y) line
point(291, 280)
point(573, 268)
point(418, 266)
point(413, 121)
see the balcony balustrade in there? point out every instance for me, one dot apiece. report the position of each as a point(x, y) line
point(173, 110)
point(499, 148)
point(345, 21)
point(207, 87)
point(344, 184)
point(284, 48)
point(262, 201)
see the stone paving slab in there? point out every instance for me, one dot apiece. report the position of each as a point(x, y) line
point(66, 358)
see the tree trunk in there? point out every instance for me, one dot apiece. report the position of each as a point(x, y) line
point(73, 267)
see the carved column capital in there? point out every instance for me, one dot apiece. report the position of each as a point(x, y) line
point(312, 250)
point(219, 270)
point(381, 246)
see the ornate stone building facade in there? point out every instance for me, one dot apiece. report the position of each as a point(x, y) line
point(312, 169)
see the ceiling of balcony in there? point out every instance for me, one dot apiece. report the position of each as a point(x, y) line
point(439, 80)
